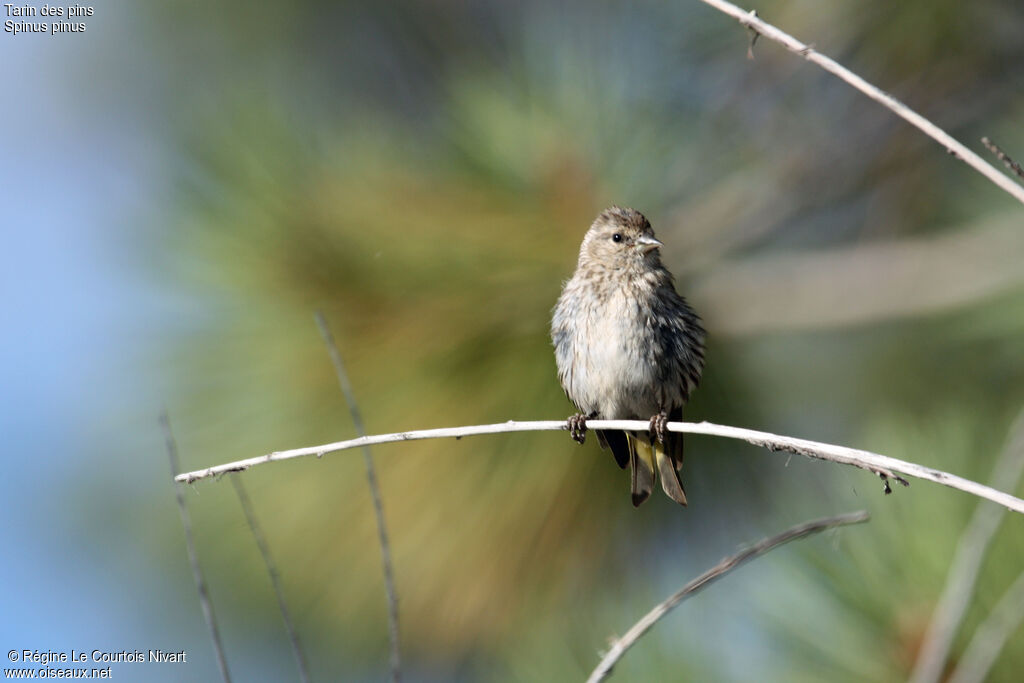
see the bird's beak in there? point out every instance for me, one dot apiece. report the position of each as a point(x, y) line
point(646, 244)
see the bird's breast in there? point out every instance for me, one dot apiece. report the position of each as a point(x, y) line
point(613, 370)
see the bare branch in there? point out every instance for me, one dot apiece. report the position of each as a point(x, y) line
point(955, 148)
point(378, 507)
point(882, 465)
point(275, 580)
point(641, 627)
point(193, 559)
point(991, 636)
point(1003, 157)
point(963, 573)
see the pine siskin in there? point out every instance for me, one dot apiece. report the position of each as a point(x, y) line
point(628, 347)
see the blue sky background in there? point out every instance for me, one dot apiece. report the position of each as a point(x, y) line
point(80, 175)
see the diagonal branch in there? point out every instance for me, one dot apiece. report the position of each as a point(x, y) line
point(378, 506)
point(275, 578)
point(193, 559)
point(957, 149)
point(1003, 157)
point(641, 627)
point(882, 465)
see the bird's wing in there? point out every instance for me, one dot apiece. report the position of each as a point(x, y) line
point(616, 441)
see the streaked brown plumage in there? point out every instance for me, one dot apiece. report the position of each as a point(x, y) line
point(628, 347)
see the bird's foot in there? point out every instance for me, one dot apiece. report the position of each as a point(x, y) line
point(657, 428)
point(577, 427)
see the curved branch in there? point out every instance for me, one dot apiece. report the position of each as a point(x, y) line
point(882, 465)
point(954, 147)
point(641, 627)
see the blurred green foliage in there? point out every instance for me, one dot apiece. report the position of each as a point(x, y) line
point(423, 172)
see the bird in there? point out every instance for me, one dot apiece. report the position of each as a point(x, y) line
point(628, 347)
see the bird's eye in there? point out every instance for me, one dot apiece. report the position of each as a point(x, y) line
point(617, 237)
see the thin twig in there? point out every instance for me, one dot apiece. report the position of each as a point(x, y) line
point(966, 565)
point(881, 465)
point(641, 627)
point(371, 479)
point(1003, 157)
point(952, 146)
point(991, 636)
point(275, 580)
point(193, 559)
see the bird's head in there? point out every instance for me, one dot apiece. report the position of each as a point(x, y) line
point(620, 240)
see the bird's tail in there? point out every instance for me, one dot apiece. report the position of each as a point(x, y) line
point(641, 461)
point(648, 456)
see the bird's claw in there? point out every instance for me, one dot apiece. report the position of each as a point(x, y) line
point(577, 427)
point(657, 428)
